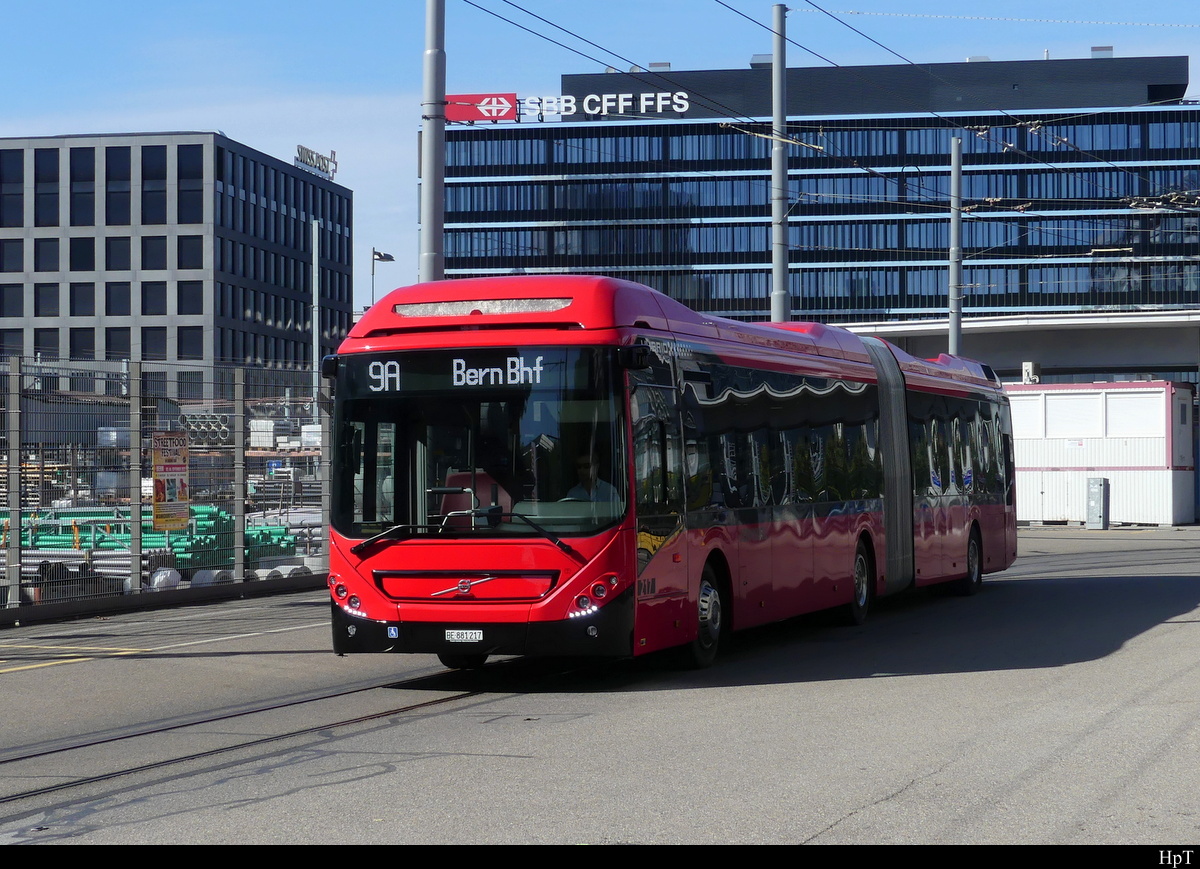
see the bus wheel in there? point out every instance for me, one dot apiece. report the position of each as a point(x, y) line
point(711, 620)
point(855, 612)
point(462, 662)
point(973, 581)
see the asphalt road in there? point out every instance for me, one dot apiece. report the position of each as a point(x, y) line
point(1057, 706)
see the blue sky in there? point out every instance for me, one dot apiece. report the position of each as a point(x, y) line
point(347, 76)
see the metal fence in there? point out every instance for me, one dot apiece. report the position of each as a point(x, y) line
point(127, 478)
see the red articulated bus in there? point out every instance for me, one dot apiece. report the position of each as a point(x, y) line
point(567, 465)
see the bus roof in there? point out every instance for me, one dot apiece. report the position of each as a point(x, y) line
point(573, 302)
point(592, 302)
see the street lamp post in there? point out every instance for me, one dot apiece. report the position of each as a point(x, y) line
point(378, 256)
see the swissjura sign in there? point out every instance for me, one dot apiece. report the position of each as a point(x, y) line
point(508, 107)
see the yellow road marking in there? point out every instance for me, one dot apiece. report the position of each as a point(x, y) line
point(81, 648)
point(66, 658)
point(118, 651)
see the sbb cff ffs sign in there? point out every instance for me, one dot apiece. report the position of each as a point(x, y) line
point(506, 107)
point(481, 107)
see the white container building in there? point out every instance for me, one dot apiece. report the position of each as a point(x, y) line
point(1137, 435)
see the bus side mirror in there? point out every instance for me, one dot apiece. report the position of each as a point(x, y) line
point(329, 366)
point(633, 357)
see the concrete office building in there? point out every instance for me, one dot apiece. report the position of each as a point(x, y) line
point(185, 248)
point(1081, 200)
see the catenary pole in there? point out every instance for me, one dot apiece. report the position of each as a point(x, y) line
point(780, 298)
point(316, 313)
point(955, 289)
point(433, 143)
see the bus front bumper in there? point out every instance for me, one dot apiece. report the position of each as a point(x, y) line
point(607, 632)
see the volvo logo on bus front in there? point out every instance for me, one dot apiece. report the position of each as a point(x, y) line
point(464, 586)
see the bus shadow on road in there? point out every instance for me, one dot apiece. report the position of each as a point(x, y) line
point(1009, 625)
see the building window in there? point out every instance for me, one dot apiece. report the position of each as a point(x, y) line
point(190, 342)
point(12, 300)
point(12, 188)
point(83, 344)
point(116, 343)
point(154, 384)
point(189, 297)
point(116, 186)
point(45, 254)
point(154, 343)
point(116, 254)
point(116, 300)
point(154, 252)
point(154, 184)
point(45, 344)
point(83, 186)
point(191, 384)
point(83, 254)
point(191, 252)
point(12, 255)
point(12, 342)
point(45, 187)
point(190, 191)
point(83, 300)
point(45, 300)
point(154, 298)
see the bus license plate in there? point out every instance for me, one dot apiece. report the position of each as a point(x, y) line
point(464, 636)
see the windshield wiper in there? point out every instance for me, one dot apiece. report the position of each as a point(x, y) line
point(493, 516)
point(387, 532)
point(549, 535)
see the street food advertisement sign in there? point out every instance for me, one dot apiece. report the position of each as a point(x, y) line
point(172, 496)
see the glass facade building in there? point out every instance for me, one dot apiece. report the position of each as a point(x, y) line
point(1078, 195)
point(176, 247)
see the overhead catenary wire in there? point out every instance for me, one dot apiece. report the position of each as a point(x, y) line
point(982, 133)
point(852, 163)
point(1011, 19)
point(648, 78)
point(1018, 211)
point(1034, 127)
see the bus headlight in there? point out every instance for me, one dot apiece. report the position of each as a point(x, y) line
point(585, 606)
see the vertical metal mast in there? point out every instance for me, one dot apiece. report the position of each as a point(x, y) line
point(316, 312)
point(433, 143)
point(780, 298)
point(956, 284)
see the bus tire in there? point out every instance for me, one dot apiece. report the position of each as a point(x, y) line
point(855, 613)
point(462, 662)
point(973, 581)
point(711, 617)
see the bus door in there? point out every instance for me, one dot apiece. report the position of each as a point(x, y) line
point(664, 612)
point(1008, 484)
point(792, 534)
point(930, 478)
point(754, 586)
point(962, 483)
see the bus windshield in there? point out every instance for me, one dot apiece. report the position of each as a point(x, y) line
point(514, 441)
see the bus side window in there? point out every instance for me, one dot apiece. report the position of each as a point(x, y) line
point(657, 448)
